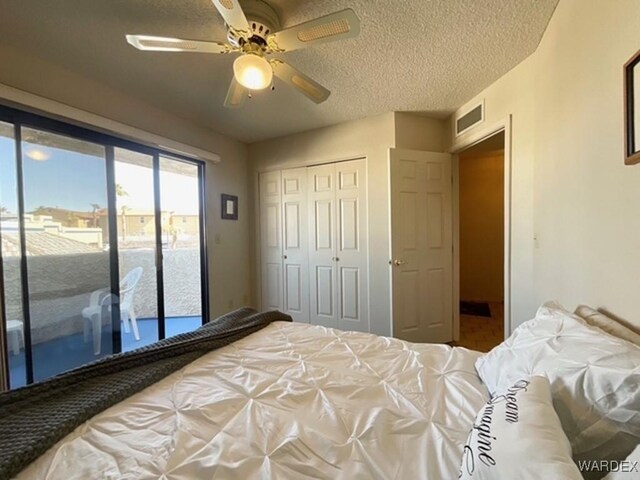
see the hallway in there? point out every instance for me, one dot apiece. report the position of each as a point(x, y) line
point(482, 333)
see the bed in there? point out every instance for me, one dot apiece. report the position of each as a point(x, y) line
point(256, 396)
point(289, 401)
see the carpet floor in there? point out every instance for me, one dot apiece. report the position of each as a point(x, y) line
point(482, 333)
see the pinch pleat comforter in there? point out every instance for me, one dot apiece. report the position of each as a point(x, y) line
point(291, 401)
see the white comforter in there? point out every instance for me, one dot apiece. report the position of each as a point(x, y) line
point(291, 401)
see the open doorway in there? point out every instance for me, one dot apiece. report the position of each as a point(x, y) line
point(481, 177)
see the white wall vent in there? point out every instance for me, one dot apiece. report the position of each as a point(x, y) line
point(470, 118)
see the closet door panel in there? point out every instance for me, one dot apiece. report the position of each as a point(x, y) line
point(351, 247)
point(350, 294)
point(325, 301)
point(296, 244)
point(271, 241)
point(322, 245)
point(323, 213)
point(271, 291)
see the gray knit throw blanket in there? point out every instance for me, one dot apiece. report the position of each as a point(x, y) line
point(34, 418)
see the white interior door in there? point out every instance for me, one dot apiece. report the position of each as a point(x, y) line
point(295, 244)
point(351, 245)
point(422, 246)
point(322, 245)
point(271, 241)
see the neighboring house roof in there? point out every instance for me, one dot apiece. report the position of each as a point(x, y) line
point(41, 243)
point(132, 212)
point(61, 214)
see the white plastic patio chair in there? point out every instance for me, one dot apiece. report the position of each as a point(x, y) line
point(93, 313)
point(15, 335)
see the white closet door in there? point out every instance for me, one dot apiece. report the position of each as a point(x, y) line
point(322, 245)
point(295, 244)
point(351, 256)
point(271, 241)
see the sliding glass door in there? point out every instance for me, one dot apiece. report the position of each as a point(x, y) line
point(102, 245)
point(67, 267)
point(137, 247)
point(181, 244)
point(11, 257)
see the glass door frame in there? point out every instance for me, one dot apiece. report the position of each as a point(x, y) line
point(20, 118)
point(4, 347)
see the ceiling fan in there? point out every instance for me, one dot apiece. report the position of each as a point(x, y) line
point(255, 36)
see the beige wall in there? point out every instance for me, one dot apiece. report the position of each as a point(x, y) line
point(229, 266)
point(417, 132)
point(570, 188)
point(228, 241)
point(482, 226)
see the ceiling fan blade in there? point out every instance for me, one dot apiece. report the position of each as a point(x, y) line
point(167, 44)
point(299, 81)
point(234, 17)
point(335, 26)
point(236, 95)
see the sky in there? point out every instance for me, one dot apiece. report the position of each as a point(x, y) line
point(74, 181)
point(179, 193)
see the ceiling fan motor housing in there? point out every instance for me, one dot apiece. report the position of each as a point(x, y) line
point(262, 19)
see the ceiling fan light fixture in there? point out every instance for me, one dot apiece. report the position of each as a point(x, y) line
point(252, 71)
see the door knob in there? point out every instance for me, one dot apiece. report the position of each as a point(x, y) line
point(397, 262)
point(285, 257)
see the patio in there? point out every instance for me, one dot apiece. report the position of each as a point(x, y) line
point(67, 352)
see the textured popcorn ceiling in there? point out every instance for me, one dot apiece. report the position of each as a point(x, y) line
point(426, 56)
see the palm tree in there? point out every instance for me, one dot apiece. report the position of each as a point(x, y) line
point(95, 207)
point(124, 209)
point(121, 192)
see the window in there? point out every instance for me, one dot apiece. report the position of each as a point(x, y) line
point(80, 282)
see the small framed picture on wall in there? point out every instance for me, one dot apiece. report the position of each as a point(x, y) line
point(632, 110)
point(229, 207)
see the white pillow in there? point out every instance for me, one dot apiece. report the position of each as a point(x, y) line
point(608, 324)
point(628, 469)
point(517, 435)
point(594, 378)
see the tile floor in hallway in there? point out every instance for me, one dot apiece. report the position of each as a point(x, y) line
point(482, 333)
